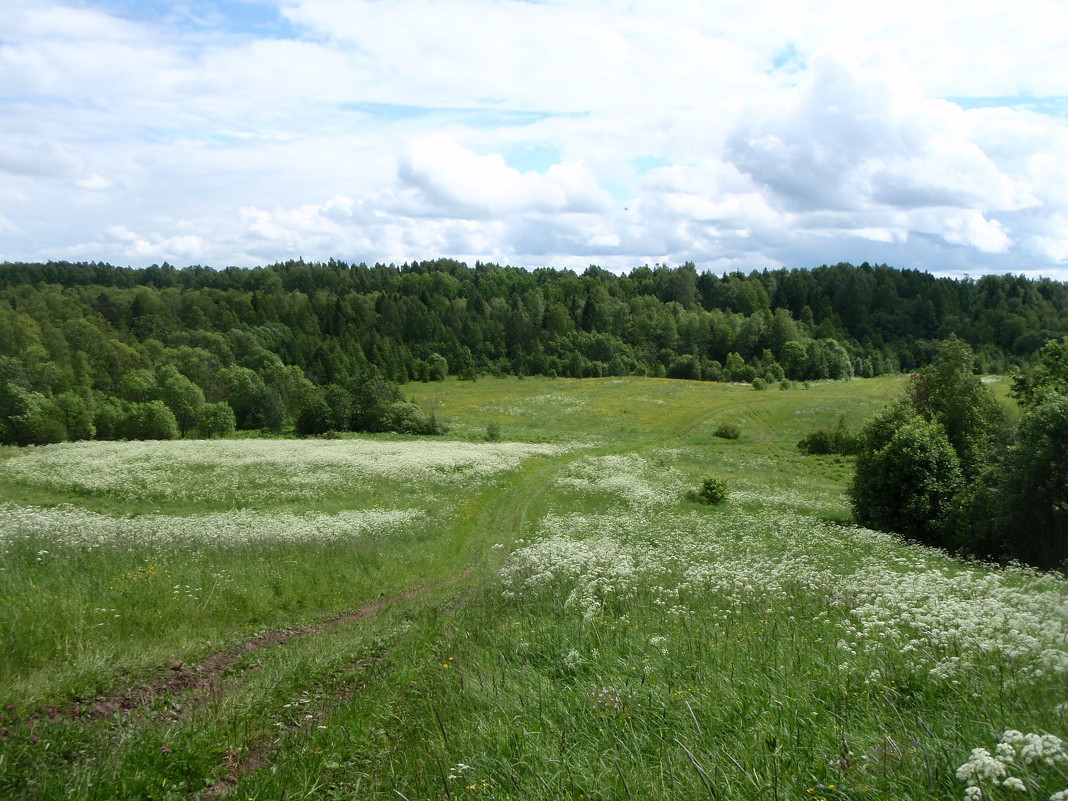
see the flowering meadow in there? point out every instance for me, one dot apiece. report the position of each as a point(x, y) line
point(183, 542)
point(258, 472)
point(546, 617)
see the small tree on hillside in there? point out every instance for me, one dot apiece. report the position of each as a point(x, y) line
point(949, 392)
point(907, 475)
point(216, 420)
point(1034, 483)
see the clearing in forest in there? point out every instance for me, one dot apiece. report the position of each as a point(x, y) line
point(543, 616)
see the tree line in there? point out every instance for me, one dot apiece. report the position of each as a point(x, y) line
point(94, 350)
point(944, 465)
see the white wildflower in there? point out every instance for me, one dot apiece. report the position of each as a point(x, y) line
point(981, 766)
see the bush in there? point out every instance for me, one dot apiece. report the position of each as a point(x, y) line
point(759, 384)
point(216, 420)
point(949, 393)
point(77, 415)
point(1035, 484)
point(713, 491)
point(437, 367)
point(29, 418)
point(824, 441)
point(493, 431)
point(907, 476)
point(685, 366)
point(317, 417)
point(151, 420)
point(727, 430)
point(407, 418)
point(108, 416)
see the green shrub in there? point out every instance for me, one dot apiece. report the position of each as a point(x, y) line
point(907, 476)
point(713, 491)
point(216, 420)
point(407, 418)
point(824, 441)
point(150, 420)
point(685, 366)
point(29, 418)
point(759, 384)
point(316, 417)
point(437, 367)
point(108, 416)
point(77, 414)
point(1034, 485)
point(728, 430)
point(949, 393)
point(493, 431)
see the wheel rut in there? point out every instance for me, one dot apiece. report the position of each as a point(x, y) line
point(506, 519)
point(210, 678)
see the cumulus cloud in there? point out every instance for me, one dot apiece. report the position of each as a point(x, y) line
point(736, 136)
point(461, 183)
point(849, 136)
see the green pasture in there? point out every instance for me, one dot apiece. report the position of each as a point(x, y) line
point(542, 617)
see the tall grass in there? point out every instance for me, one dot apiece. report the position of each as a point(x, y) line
point(582, 632)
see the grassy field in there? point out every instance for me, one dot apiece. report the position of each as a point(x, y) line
point(541, 617)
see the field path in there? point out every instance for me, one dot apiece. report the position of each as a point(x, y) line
point(494, 517)
point(206, 677)
point(499, 520)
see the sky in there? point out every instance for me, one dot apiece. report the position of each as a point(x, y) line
point(734, 134)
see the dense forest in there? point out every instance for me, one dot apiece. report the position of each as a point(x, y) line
point(93, 350)
point(945, 466)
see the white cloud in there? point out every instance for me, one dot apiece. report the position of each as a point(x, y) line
point(141, 248)
point(41, 159)
point(460, 183)
point(747, 134)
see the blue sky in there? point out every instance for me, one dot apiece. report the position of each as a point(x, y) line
point(737, 135)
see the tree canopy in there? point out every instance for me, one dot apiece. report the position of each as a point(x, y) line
point(85, 343)
point(944, 466)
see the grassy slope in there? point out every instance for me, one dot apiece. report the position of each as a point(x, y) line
point(525, 697)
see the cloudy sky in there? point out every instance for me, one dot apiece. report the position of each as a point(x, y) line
point(737, 134)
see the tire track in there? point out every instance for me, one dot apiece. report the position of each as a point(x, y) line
point(506, 519)
point(502, 517)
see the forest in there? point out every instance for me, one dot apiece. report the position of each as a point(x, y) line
point(96, 351)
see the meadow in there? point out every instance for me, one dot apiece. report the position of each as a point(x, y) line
point(541, 617)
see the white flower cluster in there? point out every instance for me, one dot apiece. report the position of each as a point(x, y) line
point(573, 659)
point(536, 404)
point(459, 771)
point(793, 499)
point(260, 470)
point(610, 700)
point(671, 560)
point(944, 618)
point(72, 527)
point(935, 615)
point(1035, 747)
point(1016, 752)
point(629, 477)
point(593, 569)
